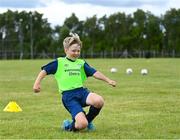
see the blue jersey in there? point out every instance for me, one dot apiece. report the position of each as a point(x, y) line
point(51, 68)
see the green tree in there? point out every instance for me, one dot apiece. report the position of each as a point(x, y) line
point(117, 30)
point(154, 33)
point(172, 25)
point(139, 30)
point(90, 33)
point(64, 32)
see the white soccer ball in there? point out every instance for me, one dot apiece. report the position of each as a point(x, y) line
point(113, 70)
point(129, 71)
point(144, 71)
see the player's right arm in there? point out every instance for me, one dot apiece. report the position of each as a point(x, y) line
point(48, 69)
point(37, 83)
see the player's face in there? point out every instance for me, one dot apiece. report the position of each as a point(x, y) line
point(73, 52)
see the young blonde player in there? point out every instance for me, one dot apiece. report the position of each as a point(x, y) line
point(70, 73)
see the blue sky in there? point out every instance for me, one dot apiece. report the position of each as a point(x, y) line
point(57, 10)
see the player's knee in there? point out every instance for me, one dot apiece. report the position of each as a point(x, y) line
point(82, 124)
point(99, 102)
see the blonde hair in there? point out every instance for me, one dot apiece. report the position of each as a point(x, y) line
point(73, 39)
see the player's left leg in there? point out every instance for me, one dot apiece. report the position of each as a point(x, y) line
point(96, 103)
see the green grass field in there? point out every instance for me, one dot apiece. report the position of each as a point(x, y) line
point(139, 107)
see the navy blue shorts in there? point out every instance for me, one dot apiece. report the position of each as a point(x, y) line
point(74, 100)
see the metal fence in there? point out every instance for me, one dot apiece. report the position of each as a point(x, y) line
point(125, 54)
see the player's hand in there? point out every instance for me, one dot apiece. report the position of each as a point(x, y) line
point(36, 88)
point(112, 83)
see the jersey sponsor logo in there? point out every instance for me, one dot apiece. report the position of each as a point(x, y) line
point(73, 72)
point(67, 70)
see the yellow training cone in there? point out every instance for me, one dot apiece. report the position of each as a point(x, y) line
point(12, 107)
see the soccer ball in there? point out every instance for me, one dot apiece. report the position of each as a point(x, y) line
point(113, 70)
point(144, 71)
point(129, 71)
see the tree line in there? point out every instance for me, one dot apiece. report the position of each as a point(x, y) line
point(140, 34)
